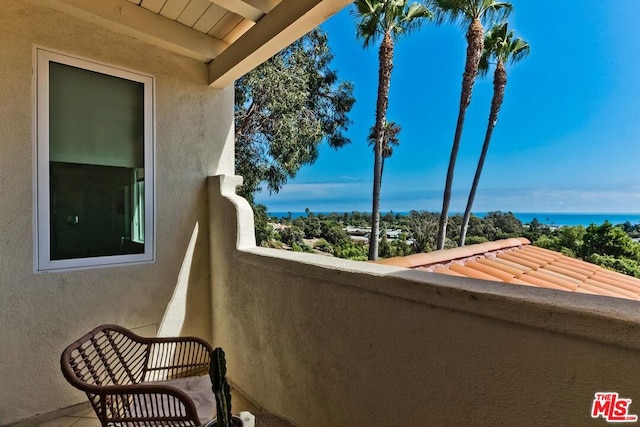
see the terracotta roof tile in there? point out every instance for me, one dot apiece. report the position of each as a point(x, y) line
point(632, 294)
point(470, 272)
point(519, 260)
point(504, 266)
point(449, 272)
point(558, 268)
point(494, 272)
point(516, 262)
point(541, 283)
point(599, 290)
point(547, 276)
point(448, 255)
point(522, 268)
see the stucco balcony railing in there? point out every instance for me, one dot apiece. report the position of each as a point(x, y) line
point(330, 342)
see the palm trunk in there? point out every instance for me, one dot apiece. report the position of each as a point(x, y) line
point(499, 83)
point(475, 44)
point(384, 79)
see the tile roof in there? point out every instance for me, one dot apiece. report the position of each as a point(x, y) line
point(517, 262)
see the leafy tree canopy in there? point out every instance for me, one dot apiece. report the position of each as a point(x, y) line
point(284, 109)
point(607, 239)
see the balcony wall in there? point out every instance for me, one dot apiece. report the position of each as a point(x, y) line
point(40, 314)
point(331, 342)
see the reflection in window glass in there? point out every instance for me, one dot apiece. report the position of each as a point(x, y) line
point(96, 167)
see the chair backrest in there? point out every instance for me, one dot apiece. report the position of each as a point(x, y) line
point(108, 355)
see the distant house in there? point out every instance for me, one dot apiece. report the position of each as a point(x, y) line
point(357, 231)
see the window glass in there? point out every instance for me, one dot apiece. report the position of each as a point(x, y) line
point(93, 154)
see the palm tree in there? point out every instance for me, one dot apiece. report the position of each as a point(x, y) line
point(385, 19)
point(500, 46)
point(390, 131)
point(471, 13)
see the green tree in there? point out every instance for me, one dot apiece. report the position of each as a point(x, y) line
point(263, 229)
point(567, 240)
point(401, 247)
point(292, 236)
point(334, 234)
point(470, 13)
point(474, 240)
point(423, 227)
point(607, 239)
point(284, 109)
point(385, 19)
point(348, 249)
point(385, 247)
point(570, 240)
point(311, 226)
point(501, 225)
point(499, 46)
point(622, 265)
point(324, 246)
point(475, 228)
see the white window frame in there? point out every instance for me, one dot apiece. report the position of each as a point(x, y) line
point(42, 231)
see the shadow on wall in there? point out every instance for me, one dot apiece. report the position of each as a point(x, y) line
point(176, 312)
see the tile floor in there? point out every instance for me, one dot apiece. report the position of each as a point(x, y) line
point(87, 417)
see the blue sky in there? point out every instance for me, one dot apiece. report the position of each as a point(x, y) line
point(568, 136)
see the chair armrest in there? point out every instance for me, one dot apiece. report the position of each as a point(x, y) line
point(164, 404)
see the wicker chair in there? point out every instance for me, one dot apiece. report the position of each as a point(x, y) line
point(130, 380)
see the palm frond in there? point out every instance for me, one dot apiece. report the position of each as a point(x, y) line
point(463, 12)
point(493, 40)
point(390, 139)
point(451, 11)
point(374, 18)
point(483, 66)
point(363, 7)
point(416, 11)
point(500, 46)
point(519, 50)
point(495, 11)
point(367, 16)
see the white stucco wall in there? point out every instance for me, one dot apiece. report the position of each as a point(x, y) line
point(41, 313)
point(329, 342)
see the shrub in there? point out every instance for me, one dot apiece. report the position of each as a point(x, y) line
point(474, 240)
point(621, 265)
point(324, 246)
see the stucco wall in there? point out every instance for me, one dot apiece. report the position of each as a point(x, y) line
point(41, 313)
point(333, 342)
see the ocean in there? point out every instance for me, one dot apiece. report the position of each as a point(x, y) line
point(577, 218)
point(549, 218)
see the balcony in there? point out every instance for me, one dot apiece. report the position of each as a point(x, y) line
point(332, 342)
point(322, 341)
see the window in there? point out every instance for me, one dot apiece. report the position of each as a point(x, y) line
point(95, 164)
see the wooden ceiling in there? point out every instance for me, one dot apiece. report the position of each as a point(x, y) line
point(225, 20)
point(231, 36)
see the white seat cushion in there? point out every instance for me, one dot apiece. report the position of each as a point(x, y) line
point(197, 388)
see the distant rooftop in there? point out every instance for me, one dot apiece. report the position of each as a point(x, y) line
point(517, 262)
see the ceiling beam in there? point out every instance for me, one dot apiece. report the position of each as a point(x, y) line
point(286, 23)
point(265, 6)
point(124, 17)
point(240, 8)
